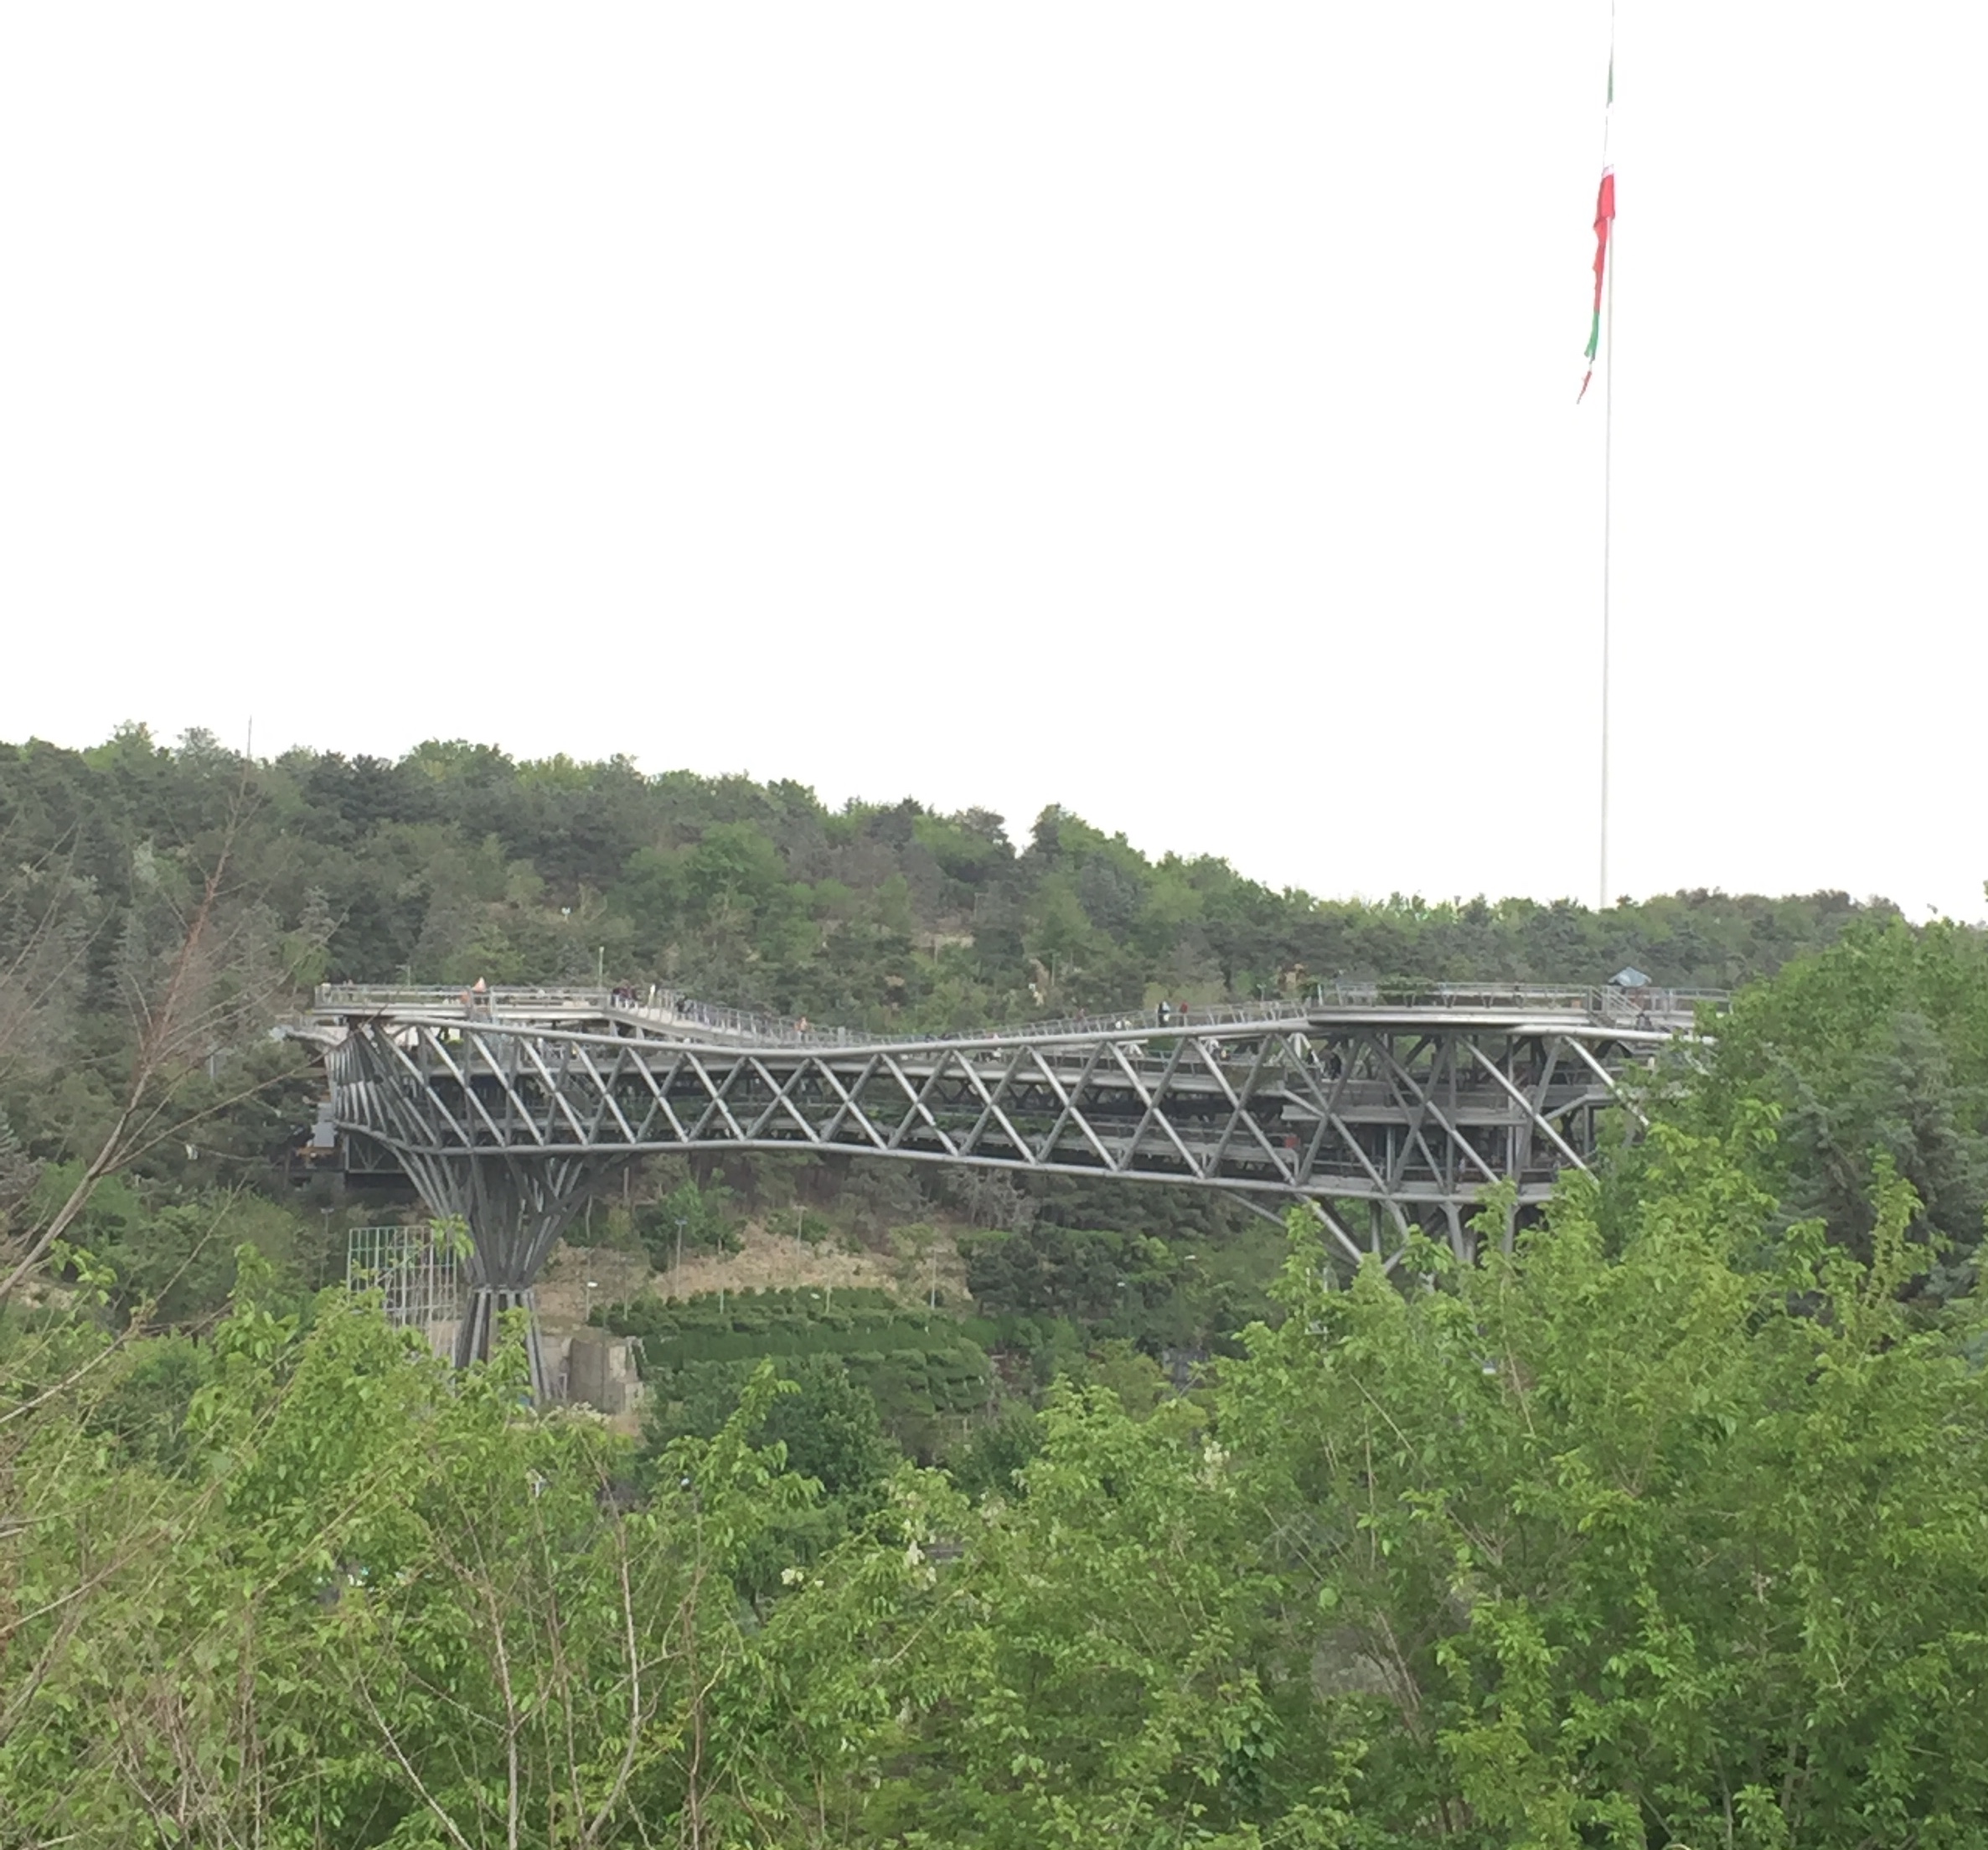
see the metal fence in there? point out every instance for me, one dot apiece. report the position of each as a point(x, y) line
point(664, 1008)
point(413, 1268)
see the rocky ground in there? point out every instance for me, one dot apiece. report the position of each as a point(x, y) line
point(917, 1258)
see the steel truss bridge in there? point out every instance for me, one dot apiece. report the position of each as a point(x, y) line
point(1384, 1110)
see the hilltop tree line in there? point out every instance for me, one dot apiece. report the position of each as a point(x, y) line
point(456, 861)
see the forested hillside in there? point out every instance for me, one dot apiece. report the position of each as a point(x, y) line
point(456, 862)
point(1095, 1516)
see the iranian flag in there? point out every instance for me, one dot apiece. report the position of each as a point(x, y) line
point(1604, 217)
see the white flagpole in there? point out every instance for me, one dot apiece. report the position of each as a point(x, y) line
point(1608, 511)
point(1609, 255)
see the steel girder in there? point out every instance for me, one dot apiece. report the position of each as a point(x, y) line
point(1414, 1115)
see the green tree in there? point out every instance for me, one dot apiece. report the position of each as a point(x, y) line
point(1875, 1049)
point(1661, 1545)
point(1101, 1627)
point(701, 1218)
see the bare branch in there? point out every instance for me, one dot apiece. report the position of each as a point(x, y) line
point(185, 1019)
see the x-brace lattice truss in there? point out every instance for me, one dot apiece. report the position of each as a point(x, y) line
point(1415, 1114)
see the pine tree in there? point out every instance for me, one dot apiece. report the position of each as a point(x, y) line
point(18, 1171)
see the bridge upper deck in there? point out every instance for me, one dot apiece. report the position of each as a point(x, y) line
point(668, 1015)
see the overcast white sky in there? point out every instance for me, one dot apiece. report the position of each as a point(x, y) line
point(1163, 411)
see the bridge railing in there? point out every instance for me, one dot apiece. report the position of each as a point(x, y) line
point(1602, 1002)
point(442, 998)
point(658, 1007)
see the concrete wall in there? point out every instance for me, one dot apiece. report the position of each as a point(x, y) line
point(600, 1371)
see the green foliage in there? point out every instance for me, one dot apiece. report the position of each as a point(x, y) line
point(801, 1322)
point(995, 1451)
point(1877, 1049)
point(829, 1431)
point(1158, 1293)
point(1618, 1547)
point(1133, 1378)
point(701, 1218)
point(1100, 1634)
point(174, 1261)
point(147, 1402)
point(18, 1174)
point(456, 861)
point(822, 1424)
point(301, 1636)
point(927, 1377)
point(1667, 1528)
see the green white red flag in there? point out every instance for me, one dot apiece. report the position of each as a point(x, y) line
point(1604, 219)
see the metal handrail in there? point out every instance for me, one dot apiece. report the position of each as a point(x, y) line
point(1604, 1003)
point(334, 996)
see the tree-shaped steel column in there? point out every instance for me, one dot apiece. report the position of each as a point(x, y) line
point(515, 1209)
point(514, 1199)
